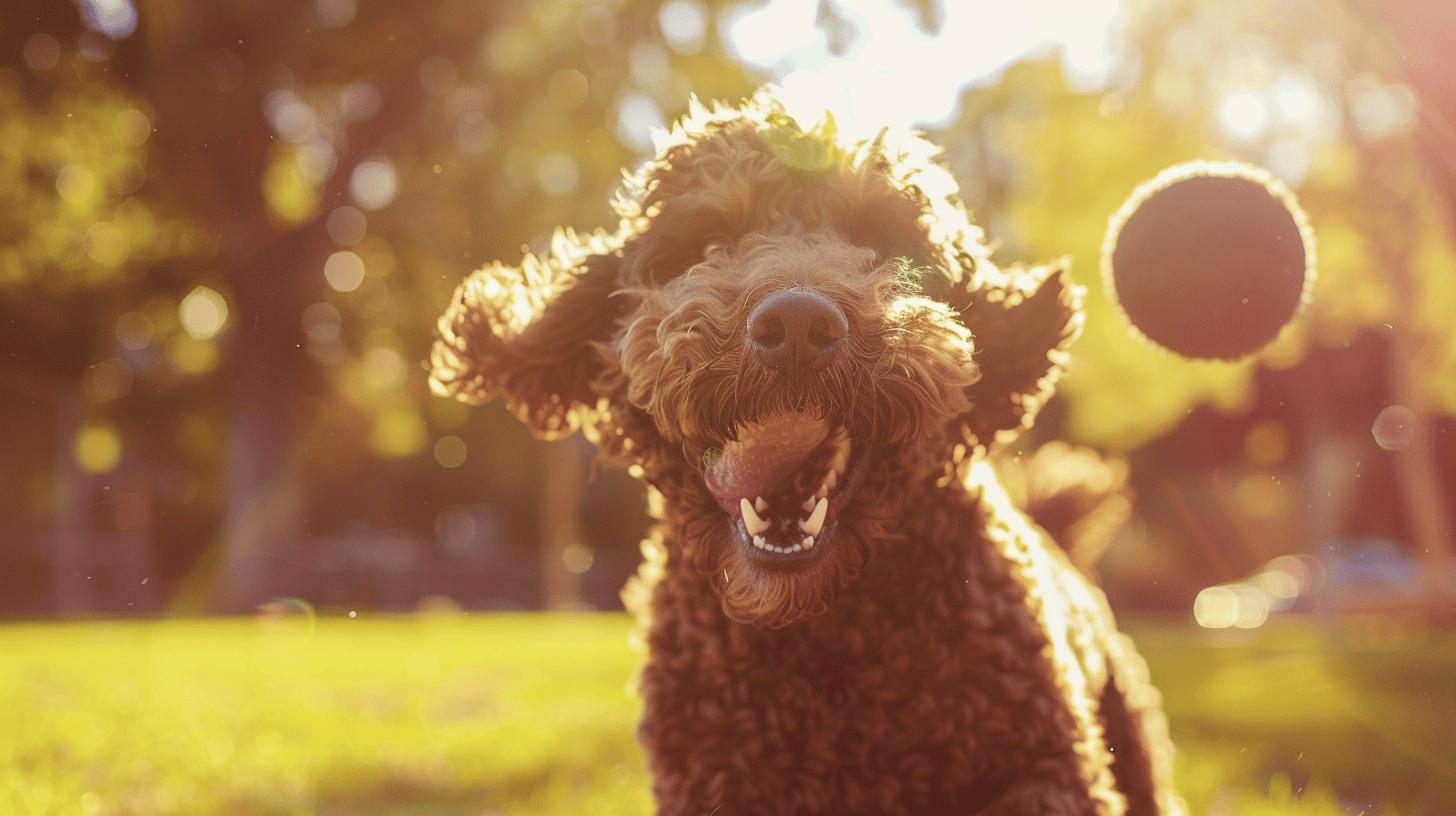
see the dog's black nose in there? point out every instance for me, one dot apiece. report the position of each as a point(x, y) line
point(796, 330)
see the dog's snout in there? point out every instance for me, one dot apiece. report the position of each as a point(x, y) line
point(796, 330)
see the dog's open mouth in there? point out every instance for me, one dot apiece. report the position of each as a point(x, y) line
point(782, 483)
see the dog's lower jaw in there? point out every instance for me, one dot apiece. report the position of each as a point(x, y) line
point(774, 596)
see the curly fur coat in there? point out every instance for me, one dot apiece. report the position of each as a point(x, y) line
point(801, 345)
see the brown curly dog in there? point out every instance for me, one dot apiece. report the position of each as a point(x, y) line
point(803, 348)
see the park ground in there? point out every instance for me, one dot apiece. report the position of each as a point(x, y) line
point(438, 715)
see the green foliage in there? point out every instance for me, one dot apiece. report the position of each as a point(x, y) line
point(76, 209)
point(1074, 156)
point(814, 150)
point(134, 172)
point(533, 714)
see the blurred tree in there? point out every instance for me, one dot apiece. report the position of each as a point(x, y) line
point(80, 217)
point(227, 229)
point(1313, 91)
point(1317, 91)
point(1424, 32)
point(330, 170)
point(269, 116)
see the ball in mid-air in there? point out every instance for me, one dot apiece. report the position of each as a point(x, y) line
point(1209, 259)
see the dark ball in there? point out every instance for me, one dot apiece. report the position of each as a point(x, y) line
point(1209, 259)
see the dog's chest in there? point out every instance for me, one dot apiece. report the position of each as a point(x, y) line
point(880, 716)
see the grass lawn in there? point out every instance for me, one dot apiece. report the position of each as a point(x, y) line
point(531, 714)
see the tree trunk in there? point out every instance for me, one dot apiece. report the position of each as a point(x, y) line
point(560, 508)
point(1416, 467)
point(1424, 30)
point(1394, 219)
point(262, 525)
point(268, 380)
point(73, 535)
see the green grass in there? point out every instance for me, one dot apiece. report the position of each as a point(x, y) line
point(532, 714)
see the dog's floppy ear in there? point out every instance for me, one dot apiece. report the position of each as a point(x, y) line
point(532, 333)
point(1023, 319)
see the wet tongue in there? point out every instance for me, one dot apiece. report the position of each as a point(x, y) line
point(765, 455)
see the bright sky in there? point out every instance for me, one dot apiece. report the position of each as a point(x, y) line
point(894, 72)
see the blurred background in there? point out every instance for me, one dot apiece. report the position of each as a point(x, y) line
point(227, 228)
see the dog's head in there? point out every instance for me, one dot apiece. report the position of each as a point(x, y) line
point(786, 332)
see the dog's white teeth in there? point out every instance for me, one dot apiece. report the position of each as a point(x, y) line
point(751, 520)
point(760, 505)
point(794, 548)
point(830, 482)
point(760, 543)
point(809, 503)
point(815, 522)
point(807, 543)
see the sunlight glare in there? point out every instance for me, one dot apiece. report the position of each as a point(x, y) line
point(637, 117)
point(116, 19)
point(684, 25)
point(895, 72)
point(1243, 116)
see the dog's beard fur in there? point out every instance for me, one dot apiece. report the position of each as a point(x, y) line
point(901, 376)
point(763, 597)
point(774, 600)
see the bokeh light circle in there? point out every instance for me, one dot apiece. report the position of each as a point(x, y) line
point(1394, 428)
point(131, 127)
point(97, 449)
point(322, 323)
point(202, 313)
point(107, 380)
point(1216, 608)
point(384, 368)
point(450, 452)
point(77, 184)
point(374, 184)
point(288, 620)
point(344, 271)
point(577, 558)
point(346, 225)
point(107, 244)
point(134, 331)
point(568, 88)
point(41, 52)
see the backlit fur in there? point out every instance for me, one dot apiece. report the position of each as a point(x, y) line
point(940, 656)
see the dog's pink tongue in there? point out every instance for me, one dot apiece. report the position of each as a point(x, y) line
point(764, 456)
